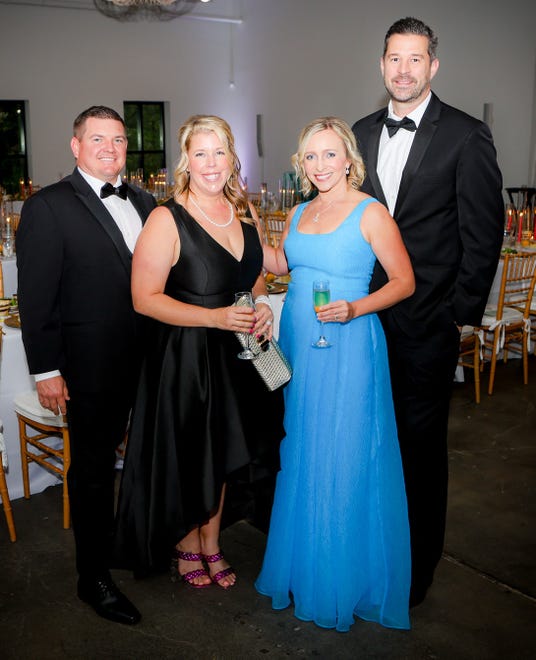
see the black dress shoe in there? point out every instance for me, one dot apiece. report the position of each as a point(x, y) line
point(107, 601)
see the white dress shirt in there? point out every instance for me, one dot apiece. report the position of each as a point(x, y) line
point(394, 151)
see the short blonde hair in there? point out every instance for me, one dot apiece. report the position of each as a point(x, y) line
point(234, 189)
point(356, 174)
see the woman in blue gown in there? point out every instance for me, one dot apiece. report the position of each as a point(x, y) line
point(338, 544)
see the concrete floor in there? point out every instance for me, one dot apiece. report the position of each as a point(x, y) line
point(481, 606)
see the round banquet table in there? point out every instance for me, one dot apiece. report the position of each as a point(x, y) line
point(496, 285)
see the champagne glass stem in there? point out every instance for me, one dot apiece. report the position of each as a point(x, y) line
point(321, 297)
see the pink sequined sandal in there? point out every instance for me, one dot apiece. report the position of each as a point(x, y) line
point(189, 577)
point(211, 559)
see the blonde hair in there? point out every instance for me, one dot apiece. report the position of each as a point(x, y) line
point(355, 176)
point(234, 189)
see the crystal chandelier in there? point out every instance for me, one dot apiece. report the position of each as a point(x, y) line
point(142, 2)
point(128, 10)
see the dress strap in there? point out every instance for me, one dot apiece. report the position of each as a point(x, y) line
point(298, 214)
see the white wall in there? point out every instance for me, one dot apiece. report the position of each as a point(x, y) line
point(293, 60)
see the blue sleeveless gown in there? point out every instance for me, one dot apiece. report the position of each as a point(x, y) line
point(338, 543)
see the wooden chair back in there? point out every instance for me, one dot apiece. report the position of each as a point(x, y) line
point(274, 225)
point(517, 284)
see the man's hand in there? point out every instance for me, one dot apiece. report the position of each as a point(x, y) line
point(53, 394)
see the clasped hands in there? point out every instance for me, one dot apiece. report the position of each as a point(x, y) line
point(258, 321)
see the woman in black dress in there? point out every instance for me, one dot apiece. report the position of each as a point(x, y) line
point(199, 416)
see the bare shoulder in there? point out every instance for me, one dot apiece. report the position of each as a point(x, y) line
point(362, 197)
point(375, 209)
point(358, 197)
point(160, 225)
point(376, 218)
point(161, 216)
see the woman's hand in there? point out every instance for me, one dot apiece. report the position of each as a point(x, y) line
point(265, 319)
point(338, 311)
point(235, 318)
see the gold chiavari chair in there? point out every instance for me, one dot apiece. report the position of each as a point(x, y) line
point(274, 224)
point(6, 502)
point(506, 327)
point(38, 433)
point(470, 355)
point(4, 493)
point(255, 199)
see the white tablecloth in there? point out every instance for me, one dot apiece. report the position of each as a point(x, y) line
point(9, 270)
point(14, 379)
point(496, 286)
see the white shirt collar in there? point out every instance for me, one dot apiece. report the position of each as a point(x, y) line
point(416, 114)
point(96, 184)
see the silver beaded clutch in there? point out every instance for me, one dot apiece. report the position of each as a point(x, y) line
point(270, 362)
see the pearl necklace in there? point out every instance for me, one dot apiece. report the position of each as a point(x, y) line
point(213, 222)
point(317, 215)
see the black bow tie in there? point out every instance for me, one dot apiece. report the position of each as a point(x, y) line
point(393, 125)
point(107, 190)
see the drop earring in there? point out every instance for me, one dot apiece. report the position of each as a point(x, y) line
point(347, 170)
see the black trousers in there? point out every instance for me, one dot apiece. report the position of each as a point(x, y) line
point(97, 426)
point(422, 372)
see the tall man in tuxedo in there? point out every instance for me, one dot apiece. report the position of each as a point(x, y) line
point(83, 339)
point(438, 175)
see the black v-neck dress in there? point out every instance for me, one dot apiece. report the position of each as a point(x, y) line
point(201, 414)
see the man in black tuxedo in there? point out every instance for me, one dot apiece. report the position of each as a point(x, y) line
point(438, 175)
point(83, 339)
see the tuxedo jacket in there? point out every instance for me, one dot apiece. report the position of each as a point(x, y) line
point(450, 213)
point(74, 287)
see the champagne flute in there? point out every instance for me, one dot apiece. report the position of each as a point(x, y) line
point(245, 299)
point(321, 296)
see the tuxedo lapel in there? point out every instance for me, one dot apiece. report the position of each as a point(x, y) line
point(97, 209)
point(372, 158)
point(423, 136)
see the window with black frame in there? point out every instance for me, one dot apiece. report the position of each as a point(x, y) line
point(146, 138)
point(13, 148)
